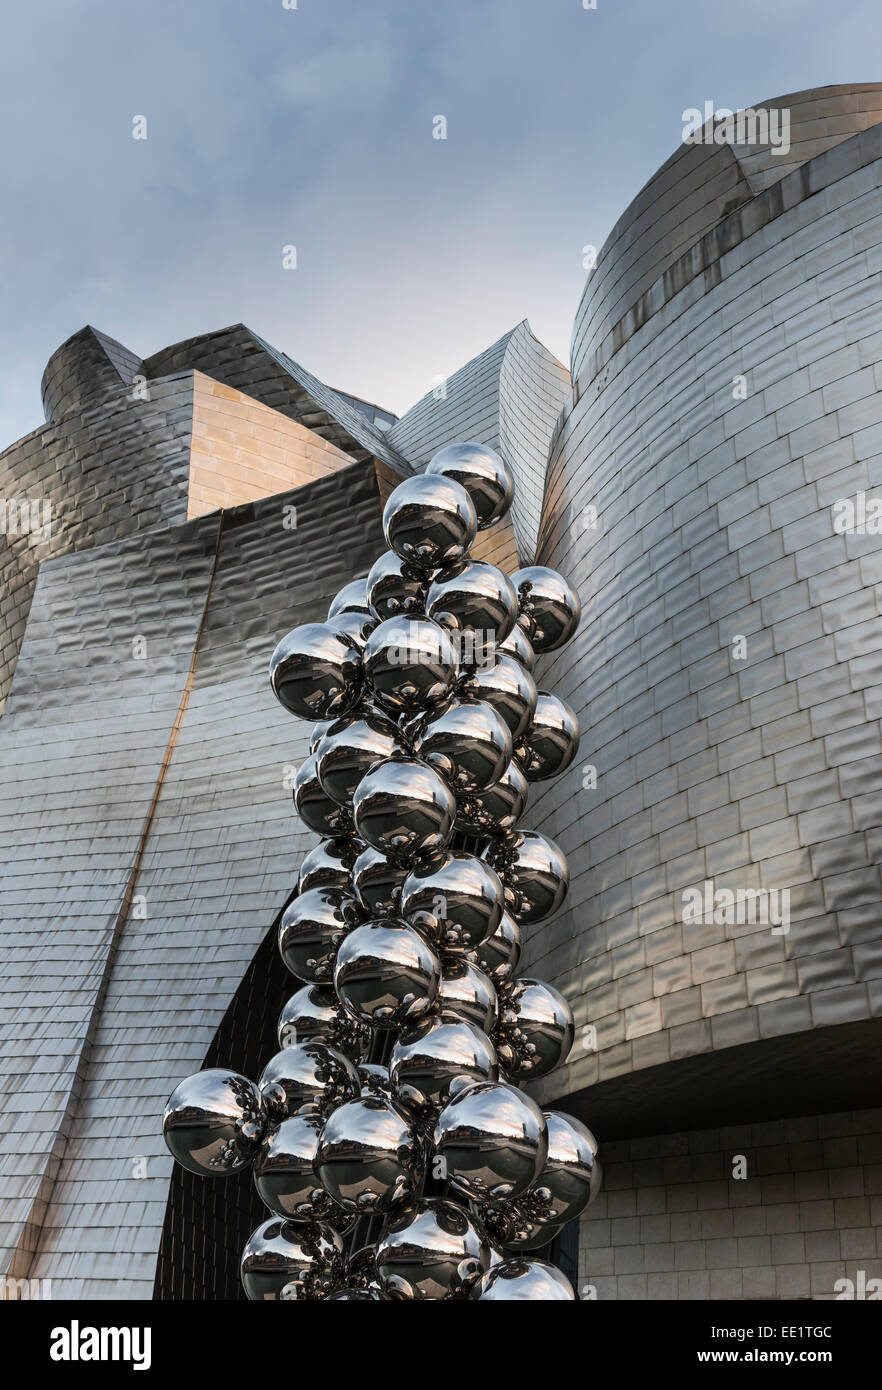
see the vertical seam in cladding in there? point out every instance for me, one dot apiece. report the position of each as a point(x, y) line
point(82, 1068)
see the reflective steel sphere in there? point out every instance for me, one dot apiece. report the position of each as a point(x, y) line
point(213, 1122)
point(404, 809)
point(387, 974)
point(551, 607)
point(376, 882)
point(429, 520)
point(534, 872)
point(455, 898)
point(314, 806)
point(509, 688)
point(319, 730)
point(469, 744)
point(315, 672)
point(432, 1250)
point(352, 598)
point(570, 1180)
point(475, 598)
point(311, 1076)
point(466, 992)
point(355, 628)
point(287, 1261)
point(531, 1281)
point(551, 740)
point(394, 588)
point(482, 473)
point(493, 1140)
point(428, 1059)
point(537, 1023)
point(311, 929)
point(347, 751)
point(532, 1236)
point(361, 1269)
point(518, 645)
point(315, 1013)
point(497, 810)
point(330, 864)
point(514, 1228)
point(375, 1080)
point(410, 665)
point(369, 1157)
point(500, 953)
point(285, 1178)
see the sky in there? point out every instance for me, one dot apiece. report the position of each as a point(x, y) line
point(312, 126)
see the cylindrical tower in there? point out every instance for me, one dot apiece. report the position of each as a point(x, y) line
point(722, 941)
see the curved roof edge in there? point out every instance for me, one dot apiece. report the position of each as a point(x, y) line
point(705, 256)
point(86, 365)
point(701, 184)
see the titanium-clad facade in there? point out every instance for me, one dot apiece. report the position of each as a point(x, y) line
point(147, 836)
point(727, 366)
point(728, 682)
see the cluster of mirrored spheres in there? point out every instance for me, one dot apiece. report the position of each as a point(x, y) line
point(389, 1139)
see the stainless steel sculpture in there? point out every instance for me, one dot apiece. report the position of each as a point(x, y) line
point(387, 974)
point(494, 1141)
point(508, 686)
point(551, 741)
point(410, 664)
point(550, 609)
point(432, 1250)
point(312, 928)
point(430, 1060)
point(430, 521)
point(316, 672)
point(287, 1260)
point(404, 809)
point(370, 1158)
point(214, 1121)
point(307, 1076)
point(474, 596)
point(406, 940)
point(394, 588)
point(482, 473)
point(469, 993)
point(455, 899)
point(523, 1280)
point(469, 744)
point(284, 1174)
point(330, 864)
point(498, 809)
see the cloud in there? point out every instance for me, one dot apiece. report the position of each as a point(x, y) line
point(338, 78)
point(313, 126)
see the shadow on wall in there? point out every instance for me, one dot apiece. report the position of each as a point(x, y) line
point(207, 1223)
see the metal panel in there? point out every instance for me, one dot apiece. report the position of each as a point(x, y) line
point(220, 859)
point(758, 770)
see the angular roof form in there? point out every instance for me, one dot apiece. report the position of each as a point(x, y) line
point(508, 397)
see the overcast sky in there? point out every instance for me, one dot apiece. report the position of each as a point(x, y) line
point(270, 127)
